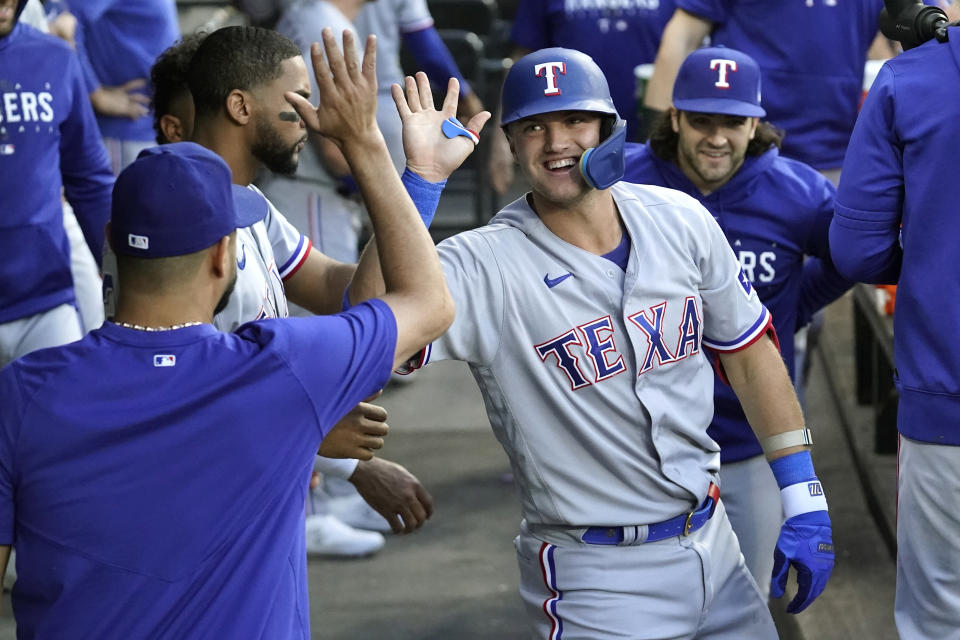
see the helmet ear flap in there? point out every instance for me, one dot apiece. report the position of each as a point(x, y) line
point(604, 165)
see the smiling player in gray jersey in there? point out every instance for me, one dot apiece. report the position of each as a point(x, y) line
point(587, 310)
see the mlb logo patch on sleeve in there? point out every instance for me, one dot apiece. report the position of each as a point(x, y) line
point(7, 149)
point(164, 360)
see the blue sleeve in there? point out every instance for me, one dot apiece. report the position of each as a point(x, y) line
point(864, 234)
point(338, 359)
point(530, 26)
point(9, 427)
point(713, 10)
point(90, 79)
point(84, 164)
point(820, 283)
point(425, 194)
point(434, 58)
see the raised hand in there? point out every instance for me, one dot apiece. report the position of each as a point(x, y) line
point(358, 434)
point(430, 153)
point(348, 90)
point(394, 493)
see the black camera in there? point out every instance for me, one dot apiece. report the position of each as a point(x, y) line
point(912, 23)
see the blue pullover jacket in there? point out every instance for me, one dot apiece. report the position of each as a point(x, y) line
point(774, 212)
point(900, 170)
point(48, 140)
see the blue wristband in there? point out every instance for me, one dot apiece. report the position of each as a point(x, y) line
point(794, 468)
point(425, 194)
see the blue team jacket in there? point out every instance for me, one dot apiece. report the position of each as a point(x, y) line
point(774, 212)
point(48, 139)
point(901, 169)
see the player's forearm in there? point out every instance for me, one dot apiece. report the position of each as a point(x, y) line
point(367, 280)
point(760, 380)
point(411, 269)
point(683, 33)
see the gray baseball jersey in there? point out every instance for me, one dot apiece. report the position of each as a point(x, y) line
point(595, 380)
point(388, 20)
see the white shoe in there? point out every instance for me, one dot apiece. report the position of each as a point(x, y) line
point(355, 511)
point(328, 536)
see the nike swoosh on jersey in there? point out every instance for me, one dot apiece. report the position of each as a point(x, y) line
point(552, 282)
point(242, 262)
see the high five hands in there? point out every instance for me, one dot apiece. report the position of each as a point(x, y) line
point(348, 91)
point(431, 154)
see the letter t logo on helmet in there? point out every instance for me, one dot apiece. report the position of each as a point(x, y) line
point(549, 70)
point(724, 66)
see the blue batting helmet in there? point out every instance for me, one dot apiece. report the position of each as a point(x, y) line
point(558, 79)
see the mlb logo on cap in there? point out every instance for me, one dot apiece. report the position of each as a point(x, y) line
point(719, 80)
point(138, 242)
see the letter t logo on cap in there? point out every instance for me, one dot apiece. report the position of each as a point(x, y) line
point(724, 66)
point(549, 70)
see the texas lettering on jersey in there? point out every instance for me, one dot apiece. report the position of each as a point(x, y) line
point(595, 342)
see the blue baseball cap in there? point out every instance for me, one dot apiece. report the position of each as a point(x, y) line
point(177, 199)
point(719, 80)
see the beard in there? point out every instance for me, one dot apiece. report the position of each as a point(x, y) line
point(225, 298)
point(270, 149)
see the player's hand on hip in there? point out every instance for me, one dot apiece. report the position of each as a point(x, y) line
point(358, 434)
point(806, 543)
point(347, 88)
point(431, 151)
point(394, 493)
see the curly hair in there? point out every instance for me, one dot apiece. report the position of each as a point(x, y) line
point(664, 140)
point(168, 77)
point(235, 58)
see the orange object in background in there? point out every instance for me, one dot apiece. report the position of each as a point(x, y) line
point(890, 292)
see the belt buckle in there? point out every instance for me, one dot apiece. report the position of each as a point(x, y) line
point(688, 524)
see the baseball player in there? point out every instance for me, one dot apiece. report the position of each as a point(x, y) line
point(812, 55)
point(618, 36)
point(321, 198)
point(208, 544)
point(896, 222)
point(270, 241)
point(775, 213)
point(586, 310)
point(48, 141)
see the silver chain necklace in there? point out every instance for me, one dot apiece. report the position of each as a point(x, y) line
point(170, 328)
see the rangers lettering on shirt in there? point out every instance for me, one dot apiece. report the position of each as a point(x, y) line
point(724, 66)
point(26, 106)
point(758, 268)
point(599, 346)
point(548, 70)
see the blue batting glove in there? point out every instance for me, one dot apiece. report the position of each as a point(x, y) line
point(806, 542)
